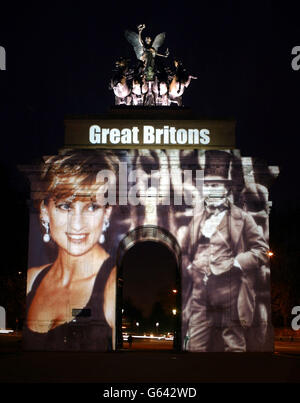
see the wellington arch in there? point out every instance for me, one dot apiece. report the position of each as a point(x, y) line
point(149, 170)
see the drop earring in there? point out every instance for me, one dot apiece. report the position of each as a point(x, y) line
point(104, 228)
point(46, 237)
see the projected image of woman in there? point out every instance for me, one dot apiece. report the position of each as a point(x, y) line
point(71, 301)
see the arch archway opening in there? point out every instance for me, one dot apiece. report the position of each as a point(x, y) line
point(148, 291)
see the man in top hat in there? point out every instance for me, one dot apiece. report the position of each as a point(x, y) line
point(221, 258)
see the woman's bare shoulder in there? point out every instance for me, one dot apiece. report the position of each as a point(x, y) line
point(32, 274)
point(110, 297)
point(112, 276)
point(110, 285)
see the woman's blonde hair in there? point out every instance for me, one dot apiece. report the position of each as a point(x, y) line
point(74, 174)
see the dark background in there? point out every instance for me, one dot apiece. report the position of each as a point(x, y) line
point(59, 61)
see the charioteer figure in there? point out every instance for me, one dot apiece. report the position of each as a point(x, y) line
point(149, 82)
point(147, 50)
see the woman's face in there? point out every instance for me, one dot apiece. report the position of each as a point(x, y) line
point(76, 225)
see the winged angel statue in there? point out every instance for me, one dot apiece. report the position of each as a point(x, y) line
point(148, 82)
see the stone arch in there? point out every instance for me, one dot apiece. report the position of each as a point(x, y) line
point(155, 234)
point(148, 233)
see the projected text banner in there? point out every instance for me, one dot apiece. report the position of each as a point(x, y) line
point(136, 133)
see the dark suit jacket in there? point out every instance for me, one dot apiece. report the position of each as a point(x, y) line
point(249, 248)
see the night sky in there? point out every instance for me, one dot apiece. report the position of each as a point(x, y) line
point(59, 62)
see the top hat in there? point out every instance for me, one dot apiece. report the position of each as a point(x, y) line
point(217, 166)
